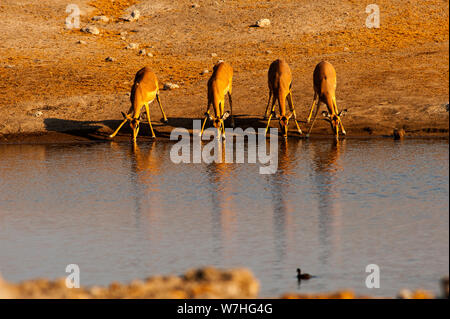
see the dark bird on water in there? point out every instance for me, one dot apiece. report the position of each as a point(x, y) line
point(301, 276)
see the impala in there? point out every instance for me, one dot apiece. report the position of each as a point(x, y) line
point(280, 84)
point(219, 85)
point(325, 92)
point(144, 90)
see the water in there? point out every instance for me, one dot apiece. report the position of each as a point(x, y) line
point(331, 209)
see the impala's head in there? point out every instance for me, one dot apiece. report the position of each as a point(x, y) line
point(284, 123)
point(134, 124)
point(218, 121)
point(334, 119)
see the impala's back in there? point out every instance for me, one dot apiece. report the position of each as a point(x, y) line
point(145, 88)
point(218, 86)
point(280, 79)
point(325, 84)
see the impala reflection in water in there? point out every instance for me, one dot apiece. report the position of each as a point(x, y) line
point(123, 212)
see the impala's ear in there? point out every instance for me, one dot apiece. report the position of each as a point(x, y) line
point(225, 115)
point(343, 112)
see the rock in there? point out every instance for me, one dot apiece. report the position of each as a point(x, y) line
point(142, 52)
point(444, 286)
point(90, 29)
point(132, 46)
point(123, 33)
point(133, 16)
point(170, 86)
point(398, 134)
point(81, 42)
point(149, 54)
point(195, 5)
point(405, 294)
point(123, 38)
point(213, 55)
point(110, 59)
point(38, 114)
point(205, 71)
point(268, 52)
point(262, 23)
point(346, 49)
point(104, 19)
point(9, 66)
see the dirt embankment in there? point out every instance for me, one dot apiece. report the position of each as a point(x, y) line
point(55, 84)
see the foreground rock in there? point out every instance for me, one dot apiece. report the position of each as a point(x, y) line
point(199, 283)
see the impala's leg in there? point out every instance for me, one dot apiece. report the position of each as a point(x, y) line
point(117, 130)
point(312, 106)
point(291, 106)
point(231, 109)
point(149, 119)
point(206, 118)
point(336, 110)
point(161, 108)
point(268, 103)
point(271, 113)
point(314, 120)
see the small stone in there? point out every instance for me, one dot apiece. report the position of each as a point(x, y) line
point(81, 42)
point(110, 59)
point(104, 19)
point(90, 29)
point(123, 33)
point(123, 38)
point(9, 66)
point(149, 54)
point(142, 52)
point(132, 46)
point(195, 5)
point(404, 294)
point(213, 55)
point(170, 86)
point(38, 114)
point(205, 71)
point(133, 16)
point(346, 49)
point(268, 52)
point(262, 23)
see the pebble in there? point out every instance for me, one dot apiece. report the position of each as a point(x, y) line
point(149, 54)
point(110, 59)
point(213, 55)
point(132, 46)
point(90, 29)
point(268, 52)
point(38, 114)
point(262, 23)
point(195, 5)
point(142, 52)
point(100, 18)
point(204, 71)
point(170, 86)
point(133, 16)
point(81, 42)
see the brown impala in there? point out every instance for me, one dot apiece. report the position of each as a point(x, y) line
point(144, 90)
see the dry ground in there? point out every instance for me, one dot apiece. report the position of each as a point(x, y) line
point(393, 77)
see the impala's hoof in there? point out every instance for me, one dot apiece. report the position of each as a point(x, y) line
point(111, 136)
point(165, 121)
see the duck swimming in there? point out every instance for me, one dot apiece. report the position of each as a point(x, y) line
point(301, 276)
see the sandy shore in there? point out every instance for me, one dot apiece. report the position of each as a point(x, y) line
point(55, 85)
